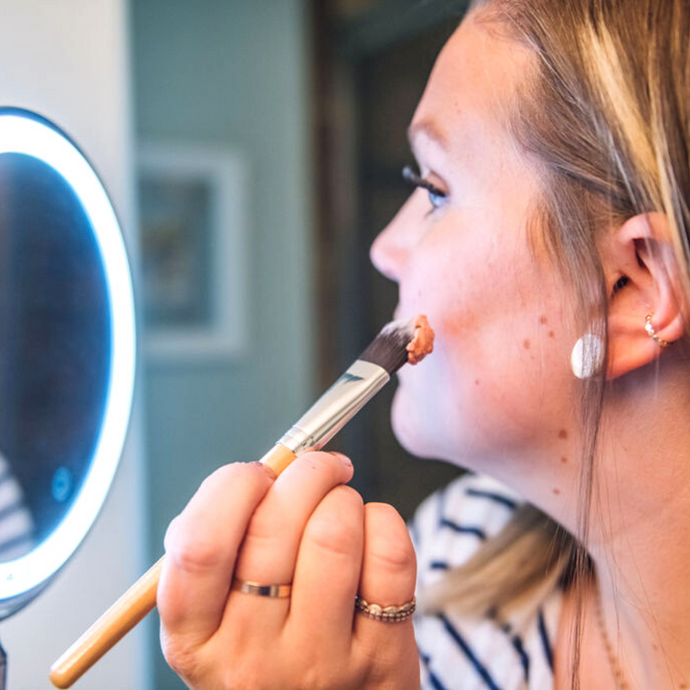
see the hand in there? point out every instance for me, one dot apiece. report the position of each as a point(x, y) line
point(308, 529)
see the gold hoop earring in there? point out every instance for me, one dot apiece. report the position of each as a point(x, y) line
point(652, 333)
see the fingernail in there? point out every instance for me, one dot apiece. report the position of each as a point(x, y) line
point(343, 458)
point(270, 472)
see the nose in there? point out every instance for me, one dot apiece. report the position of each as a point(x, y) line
point(390, 251)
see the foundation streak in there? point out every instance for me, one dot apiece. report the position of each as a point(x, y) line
point(422, 343)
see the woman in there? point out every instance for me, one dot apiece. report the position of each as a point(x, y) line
point(548, 244)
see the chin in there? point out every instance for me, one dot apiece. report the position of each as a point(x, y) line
point(410, 429)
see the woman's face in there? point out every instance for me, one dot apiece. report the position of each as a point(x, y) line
point(499, 383)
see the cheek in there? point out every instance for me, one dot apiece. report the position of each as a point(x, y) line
point(499, 377)
point(497, 381)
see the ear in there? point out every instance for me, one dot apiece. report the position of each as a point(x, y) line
point(642, 279)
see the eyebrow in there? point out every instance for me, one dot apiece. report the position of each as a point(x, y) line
point(431, 129)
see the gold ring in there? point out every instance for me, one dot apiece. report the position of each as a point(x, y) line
point(385, 614)
point(652, 333)
point(259, 590)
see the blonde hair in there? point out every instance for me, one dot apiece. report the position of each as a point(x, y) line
point(605, 118)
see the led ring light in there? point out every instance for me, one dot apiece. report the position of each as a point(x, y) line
point(24, 132)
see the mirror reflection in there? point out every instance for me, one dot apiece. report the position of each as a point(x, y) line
point(54, 350)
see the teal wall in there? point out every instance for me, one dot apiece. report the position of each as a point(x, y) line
point(233, 73)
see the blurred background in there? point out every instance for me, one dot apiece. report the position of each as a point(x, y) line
point(264, 146)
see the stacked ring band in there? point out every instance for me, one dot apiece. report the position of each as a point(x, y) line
point(385, 614)
point(259, 590)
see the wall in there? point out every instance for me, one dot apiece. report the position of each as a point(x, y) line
point(234, 74)
point(69, 61)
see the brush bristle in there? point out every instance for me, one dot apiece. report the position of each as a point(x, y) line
point(389, 348)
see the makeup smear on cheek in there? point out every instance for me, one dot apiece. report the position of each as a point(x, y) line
point(422, 343)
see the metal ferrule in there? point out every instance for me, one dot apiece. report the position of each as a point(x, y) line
point(336, 407)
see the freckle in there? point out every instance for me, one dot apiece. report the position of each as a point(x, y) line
point(476, 382)
point(543, 319)
point(564, 460)
point(562, 434)
point(526, 344)
point(557, 492)
point(552, 334)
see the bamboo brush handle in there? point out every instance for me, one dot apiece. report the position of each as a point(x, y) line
point(130, 608)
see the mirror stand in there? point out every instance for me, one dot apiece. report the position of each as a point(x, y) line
point(3, 667)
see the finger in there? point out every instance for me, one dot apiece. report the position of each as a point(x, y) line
point(269, 551)
point(201, 547)
point(327, 573)
point(389, 569)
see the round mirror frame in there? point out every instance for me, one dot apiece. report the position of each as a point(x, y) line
point(25, 132)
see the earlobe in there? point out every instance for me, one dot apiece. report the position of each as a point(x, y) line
point(642, 253)
point(632, 345)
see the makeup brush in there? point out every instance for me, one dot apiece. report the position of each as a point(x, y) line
point(397, 343)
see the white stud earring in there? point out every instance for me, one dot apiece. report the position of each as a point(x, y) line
point(587, 356)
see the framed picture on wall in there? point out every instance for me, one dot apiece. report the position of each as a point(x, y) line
point(192, 217)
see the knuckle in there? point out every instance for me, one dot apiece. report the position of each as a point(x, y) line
point(328, 532)
point(390, 546)
point(221, 475)
point(170, 533)
point(316, 672)
point(237, 471)
point(250, 474)
point(179, 657)
point(315, 678)
point(351, 495)
point(190, 550)
point(394, 557)
point(265, 524)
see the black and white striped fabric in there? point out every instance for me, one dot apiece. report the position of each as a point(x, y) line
point(457, 652)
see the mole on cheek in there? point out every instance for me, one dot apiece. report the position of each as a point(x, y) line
point(526, 344)
point(552, 334)
point(557, 492)
point(543, 320)
point(562, 434)
point(564, 460)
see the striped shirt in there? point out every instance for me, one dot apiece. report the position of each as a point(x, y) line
point(458, 652)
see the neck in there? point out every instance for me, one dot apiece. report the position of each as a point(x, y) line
point(640, 516)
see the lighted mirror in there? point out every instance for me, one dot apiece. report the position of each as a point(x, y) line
point(67, 351)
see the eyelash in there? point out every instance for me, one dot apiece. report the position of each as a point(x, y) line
point(409, 175)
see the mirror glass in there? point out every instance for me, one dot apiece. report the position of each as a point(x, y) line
point(65, 379)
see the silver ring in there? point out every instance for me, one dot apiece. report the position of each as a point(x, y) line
point(385, 614)
point(259, 590)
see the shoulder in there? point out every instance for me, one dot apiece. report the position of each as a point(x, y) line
point(472, 653)
point(452, 523)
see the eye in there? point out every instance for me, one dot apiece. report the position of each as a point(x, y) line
point(437, 197)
